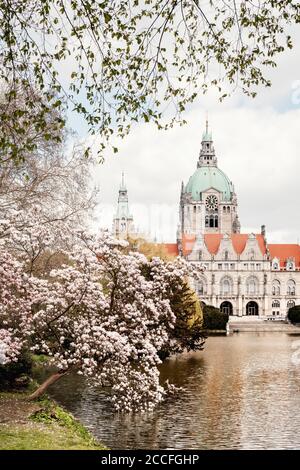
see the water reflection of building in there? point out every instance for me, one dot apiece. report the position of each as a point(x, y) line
point(245, 275)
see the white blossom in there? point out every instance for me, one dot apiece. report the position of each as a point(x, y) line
point(106, 314)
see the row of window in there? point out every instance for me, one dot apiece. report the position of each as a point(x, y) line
point(211, 221)
point(252, 287)
point(225, 209)
point(289, 265)
point(289, 304)
point(291, 287)
point(246, 266)
point(226, 266)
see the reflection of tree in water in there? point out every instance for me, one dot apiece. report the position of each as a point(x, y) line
point(240, 392)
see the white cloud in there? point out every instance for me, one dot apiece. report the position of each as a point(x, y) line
point(257, 149)
point(257, 143)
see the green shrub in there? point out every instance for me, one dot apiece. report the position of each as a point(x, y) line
point(213, 318)
point(187, 333)
point(16, 374)
point(294, 314)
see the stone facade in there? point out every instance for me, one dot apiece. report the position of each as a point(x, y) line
point(244, 275)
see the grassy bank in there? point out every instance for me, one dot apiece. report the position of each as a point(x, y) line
point(40, 425)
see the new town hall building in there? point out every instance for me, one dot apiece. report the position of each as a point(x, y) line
point(244, 274)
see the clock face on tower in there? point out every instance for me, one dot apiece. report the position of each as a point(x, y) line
point(211, 202)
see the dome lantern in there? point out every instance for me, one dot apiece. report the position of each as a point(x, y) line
point(207, 155)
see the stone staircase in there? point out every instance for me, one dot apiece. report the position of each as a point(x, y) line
point(258, 324)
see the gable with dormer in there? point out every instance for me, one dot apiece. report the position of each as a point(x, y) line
point(286, 254)
point(199, 250)
point(226, 250)
point(254, 248)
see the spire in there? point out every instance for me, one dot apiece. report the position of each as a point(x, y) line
point(123, 187)
point(206, 136)
point(207, 153)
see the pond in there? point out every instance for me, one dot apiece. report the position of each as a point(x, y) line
point(241, 392)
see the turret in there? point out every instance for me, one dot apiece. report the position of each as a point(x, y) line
point(207, 155)
point(123, 220)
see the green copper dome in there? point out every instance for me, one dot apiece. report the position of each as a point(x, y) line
point(209, 177)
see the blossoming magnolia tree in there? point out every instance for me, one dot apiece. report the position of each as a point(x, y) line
point(15, 308)
point(106, 315)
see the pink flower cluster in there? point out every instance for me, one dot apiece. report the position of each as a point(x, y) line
point(10, 347)
point(106, 314)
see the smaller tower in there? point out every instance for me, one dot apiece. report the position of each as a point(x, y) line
point(123, 220)
point(207, 155)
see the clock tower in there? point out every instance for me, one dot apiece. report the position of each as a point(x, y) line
point(208, 203)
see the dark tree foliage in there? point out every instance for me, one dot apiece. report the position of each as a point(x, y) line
point(294, 314)
point(16, 374)
point(118, 62)
point(213, 318)
point(188, 332)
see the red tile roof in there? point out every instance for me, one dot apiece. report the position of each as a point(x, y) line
point(262, 244)
point(187, 244)
point(285, 251)
point(239, 240)
point(171, 248)
point(212, 242)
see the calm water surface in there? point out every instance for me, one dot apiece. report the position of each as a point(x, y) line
point(241, 392)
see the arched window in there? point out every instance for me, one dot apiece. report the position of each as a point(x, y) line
point(290, 304)
point(224, 208)
point(213, 221)
point(200, 287)
point(275, 264)
point(123, 224)
point(206, 221)
point(275, 304)
point(290, 265)
point(276, 287)
point(226, 307)
point(252, 285)
point(200, 255)
point(228, 209)
point(226, 255)
point(226, 286)
point(291, 287)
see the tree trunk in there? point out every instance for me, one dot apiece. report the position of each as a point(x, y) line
point(43, 387)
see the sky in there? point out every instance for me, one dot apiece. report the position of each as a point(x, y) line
point(257, 144)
